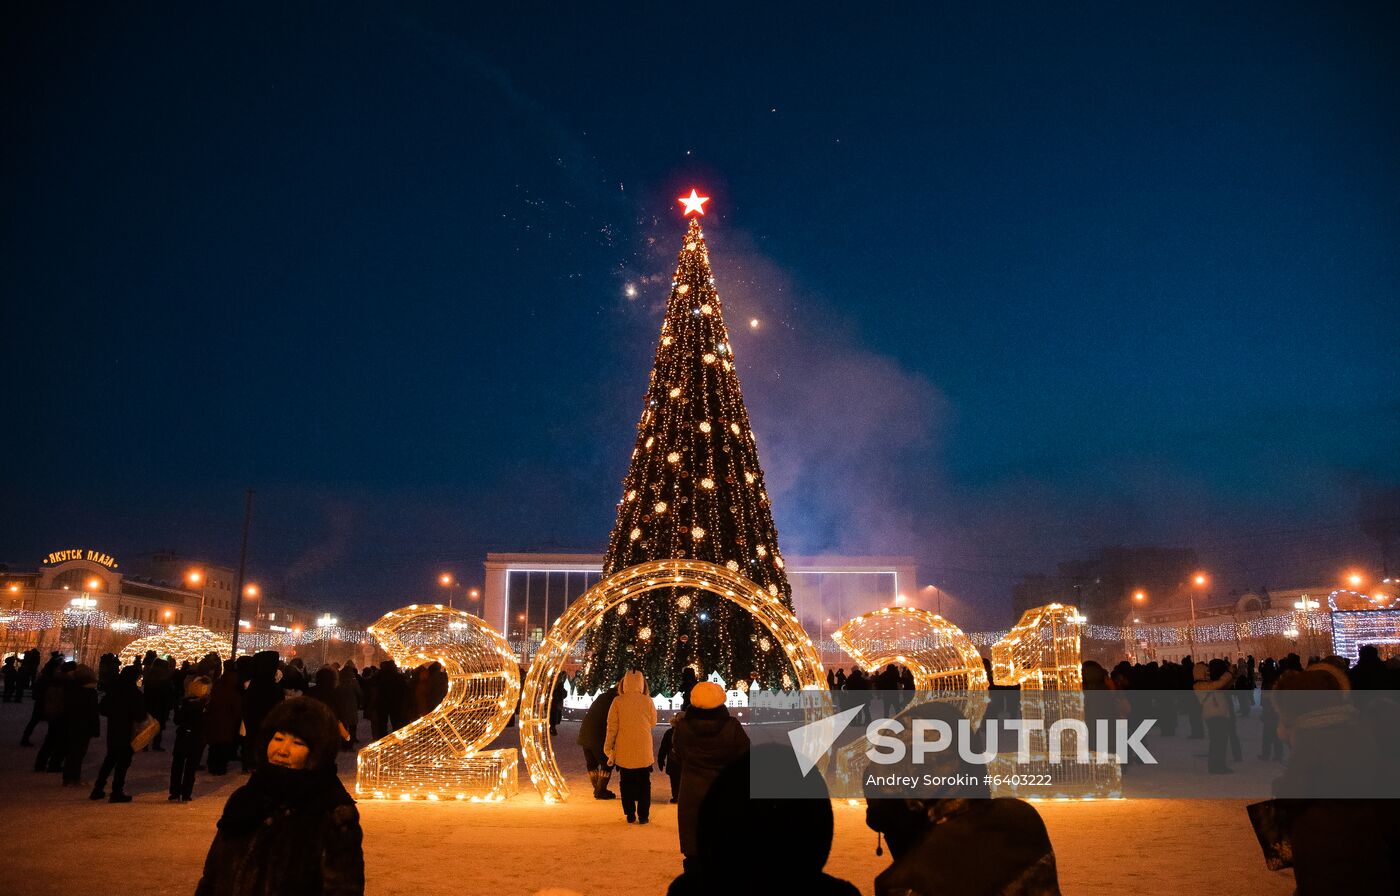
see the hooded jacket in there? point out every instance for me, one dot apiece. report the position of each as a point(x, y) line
point(706, 740)
point(630, 721)
point(797, 832)
point(289, 830)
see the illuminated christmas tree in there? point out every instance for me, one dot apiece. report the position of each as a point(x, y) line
point(694, 490)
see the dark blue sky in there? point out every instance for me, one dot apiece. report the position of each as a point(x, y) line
point(1030, 281)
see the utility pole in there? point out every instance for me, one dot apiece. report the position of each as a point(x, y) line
point(242, 568)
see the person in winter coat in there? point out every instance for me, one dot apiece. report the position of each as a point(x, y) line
point(666, 758)
point(189, 737)
point(347, 702)
point(222, 716)
point(12, 689)
point(40, 684)
point(50, 758)
point(707, 739)
point(80, 722)
point(292, 828)
point(262, 693)
point(556, 704)
point(798, 829)
point(124, 706)
point(1210, 685)
point(631, 718)
point(592, 735)
point(157, 681)
point(955, 839)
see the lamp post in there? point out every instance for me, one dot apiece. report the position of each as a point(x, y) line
point(448, 581)
point(86, 604)
point(196, 577)
point(324, 624)
point(1304, 606)
point(1200, 580)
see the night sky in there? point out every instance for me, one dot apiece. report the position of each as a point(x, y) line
point(1029, 282)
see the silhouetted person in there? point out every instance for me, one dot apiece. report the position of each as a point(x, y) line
point(124, 706)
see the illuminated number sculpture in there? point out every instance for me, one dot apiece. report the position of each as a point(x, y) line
point(937, 653)
point(585, 612)
point(440, 756)
point(182, 642)
point(1041, 654)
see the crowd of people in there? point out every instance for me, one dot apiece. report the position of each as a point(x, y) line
point(292, 827)
point(207, 708)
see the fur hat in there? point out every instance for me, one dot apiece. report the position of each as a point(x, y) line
point(310, 721)
point(706, 695)
point(197, 686)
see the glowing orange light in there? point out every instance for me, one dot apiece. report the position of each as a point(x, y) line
point(14, 587)
point(445, 579)
point(1140, 595)
point(1355, 579)
point(92, 584)
point(473, 594)
point(694, 203)
point(195, 577)
point(168, 614)
point(251, 591)
point(1201, 579)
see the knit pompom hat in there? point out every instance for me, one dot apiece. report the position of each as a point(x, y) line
point(706, 695)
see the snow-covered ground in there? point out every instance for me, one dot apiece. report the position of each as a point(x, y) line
point(57, 842)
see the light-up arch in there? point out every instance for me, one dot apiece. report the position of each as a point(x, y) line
point(585, 612)
point(443, 754)
point(935, 651)
point(182, 642)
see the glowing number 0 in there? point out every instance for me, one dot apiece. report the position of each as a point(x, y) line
point(440, 755)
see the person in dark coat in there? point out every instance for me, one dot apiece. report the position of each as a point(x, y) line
point(124, 706)
point(80, 722)
point(13, 691)
point(556, 704)
point(376, 710)
point(592, 734)
point(955, 839)
point(222, 716)
point(667, 760)
point(41, 684)
point(263, 692)
point(50, 758)
point(437, 687)
point(797, 829)
point(189, 737)
point(347, 702)
point(294, 677)
point(707, 739)
point(28, 671)
point(157, 680)
point(292, 828)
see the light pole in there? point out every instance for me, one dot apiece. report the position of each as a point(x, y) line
point(448, 581)
point(1303, 607)
point(1200, 580)
point(85, 604)
point(196, 577)
point(324, 624)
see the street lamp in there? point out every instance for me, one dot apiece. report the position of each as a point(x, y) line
point(473, 594)
point(448, 581)
point(1355, 579)
point(196, 577)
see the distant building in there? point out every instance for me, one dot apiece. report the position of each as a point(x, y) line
point(525, 593)
point(1103, 587)
point(88, 579)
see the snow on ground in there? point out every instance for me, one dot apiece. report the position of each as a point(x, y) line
point(57, 842)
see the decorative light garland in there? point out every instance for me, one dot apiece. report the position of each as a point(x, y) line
point(180, 642)
point(440, 756)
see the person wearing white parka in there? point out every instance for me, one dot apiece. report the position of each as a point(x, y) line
point(628, 746)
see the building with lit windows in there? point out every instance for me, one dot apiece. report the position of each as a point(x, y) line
point(526, 593)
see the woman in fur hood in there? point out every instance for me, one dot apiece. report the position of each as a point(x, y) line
point(292, 828)
point(631, 719)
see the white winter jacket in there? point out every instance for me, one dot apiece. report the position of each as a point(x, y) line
point(630, 721)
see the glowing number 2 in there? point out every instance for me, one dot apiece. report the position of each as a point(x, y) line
point(440, 755)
